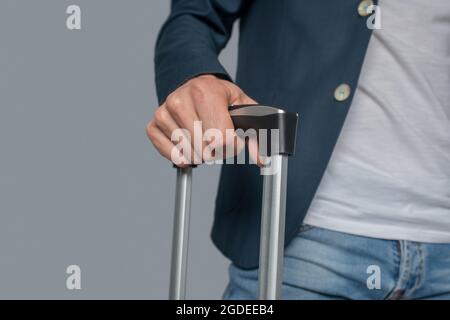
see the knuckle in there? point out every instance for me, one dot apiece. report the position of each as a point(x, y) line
point(174, 102)
point(160, 115)
point(198, 90)
point(151, 130)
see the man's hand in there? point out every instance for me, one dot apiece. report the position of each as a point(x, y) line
point(205, 98)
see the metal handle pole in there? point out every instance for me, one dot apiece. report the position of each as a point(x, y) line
point(180, 241)
point(272, 229)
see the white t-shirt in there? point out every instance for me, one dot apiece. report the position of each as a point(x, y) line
point(389, 175)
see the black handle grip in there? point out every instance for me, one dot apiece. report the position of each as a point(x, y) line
point(255, 116)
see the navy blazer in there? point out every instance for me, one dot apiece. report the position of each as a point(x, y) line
point(292, 53)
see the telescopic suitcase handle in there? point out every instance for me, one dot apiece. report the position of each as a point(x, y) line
point(273, 207)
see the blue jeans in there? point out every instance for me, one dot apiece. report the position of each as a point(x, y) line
point(324, 264)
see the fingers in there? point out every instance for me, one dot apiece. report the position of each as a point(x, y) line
point(180, 108)
point(216, 124)
point(164, 121)
point(217, 117)
point(165, 146)
point(197, 113)
point(238, 97)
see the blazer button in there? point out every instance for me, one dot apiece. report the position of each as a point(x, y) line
point(362, 8)
point(342, 92)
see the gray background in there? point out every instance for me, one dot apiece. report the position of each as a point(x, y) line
point(79, 181)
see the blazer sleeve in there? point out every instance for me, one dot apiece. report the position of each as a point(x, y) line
point(191, 39)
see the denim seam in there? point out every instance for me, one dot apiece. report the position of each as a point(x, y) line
point(404, 271)
point(406, 266)
point(396, 250)
point(398, 259)
point(419, 270)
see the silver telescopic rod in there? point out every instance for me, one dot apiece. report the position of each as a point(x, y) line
point(180, 241)
point(272, 229)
